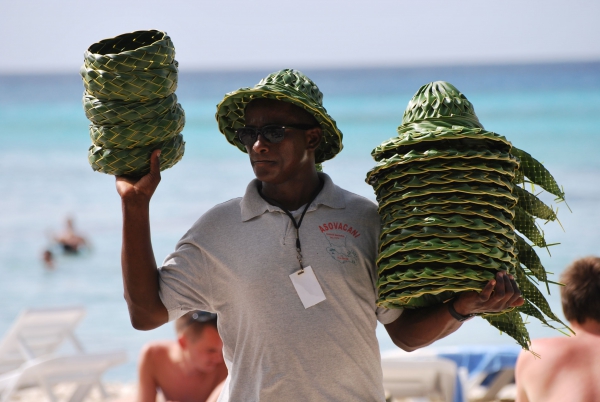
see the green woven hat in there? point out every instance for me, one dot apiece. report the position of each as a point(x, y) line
point(139, 50)
point(289, 86)
point(440, 100)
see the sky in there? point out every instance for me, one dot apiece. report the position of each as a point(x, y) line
point(40, 36)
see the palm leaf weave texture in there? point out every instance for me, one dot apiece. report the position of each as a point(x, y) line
point(129, 97)
point(452, 203)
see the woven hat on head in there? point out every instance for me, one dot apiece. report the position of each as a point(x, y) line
point(288, 86)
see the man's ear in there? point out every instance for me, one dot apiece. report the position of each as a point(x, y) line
point(182, 341)
point(313, 138)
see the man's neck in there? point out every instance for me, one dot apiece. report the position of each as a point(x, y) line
point(589, 326)
point(294, 193)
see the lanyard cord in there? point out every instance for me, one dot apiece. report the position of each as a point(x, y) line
point(296, 224)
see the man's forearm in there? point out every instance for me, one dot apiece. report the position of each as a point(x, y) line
point(140, 275)
point(420, 327)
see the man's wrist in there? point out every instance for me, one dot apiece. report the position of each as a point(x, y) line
point(457, 315)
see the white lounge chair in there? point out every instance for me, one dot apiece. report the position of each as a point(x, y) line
point(37, 333)
point(412, 377)
point(85, 370)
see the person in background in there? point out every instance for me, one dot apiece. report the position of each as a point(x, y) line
point(69, 240)
point(568, 368)
point(48, 259)
point(190, 369)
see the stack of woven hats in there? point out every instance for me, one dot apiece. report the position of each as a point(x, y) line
point(129, 97)
point(451, 202)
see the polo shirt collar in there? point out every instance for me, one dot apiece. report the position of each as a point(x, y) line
point(253, 204)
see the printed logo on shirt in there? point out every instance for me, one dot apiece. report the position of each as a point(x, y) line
point(337, 234)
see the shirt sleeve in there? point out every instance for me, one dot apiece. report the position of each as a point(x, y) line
point(184, 280)
point(387, 316)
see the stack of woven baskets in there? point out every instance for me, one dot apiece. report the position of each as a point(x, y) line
point(451, 203)
point(129, 97)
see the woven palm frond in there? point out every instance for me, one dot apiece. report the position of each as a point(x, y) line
point(501, 261)
point(447, 221)
point(502, 204)
point(444, 154)
point(450, 245)
point(124, 112)
point(459, 138)
point(136, 161)
point(399, 171)
point(438, 272)
point(139, 50)
point(512, 324)
point(440, 100)
point(452, 195)
point(141, 133)
point(135, 86)
point(430, 232)
point(468, 210)
point(529, 258)
point(537, 173)
point(444, 178)
point(473, 189)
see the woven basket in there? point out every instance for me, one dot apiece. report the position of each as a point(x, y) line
point(139, 50)
point(130, 86)
point(135, 162)
point(141, 133)
point(123, 112)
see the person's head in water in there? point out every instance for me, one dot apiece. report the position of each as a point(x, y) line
point(286, 142)
point(581, 294)
point(199, 340)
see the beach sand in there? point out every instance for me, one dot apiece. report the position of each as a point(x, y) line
point(118, 392)
point(125, 392)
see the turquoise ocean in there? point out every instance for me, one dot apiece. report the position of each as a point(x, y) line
point(549, 110)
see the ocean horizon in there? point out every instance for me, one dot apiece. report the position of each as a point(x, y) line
point(548, 110)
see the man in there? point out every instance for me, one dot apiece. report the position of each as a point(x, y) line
point(296, 318)
point(189, 369)
point(568, 368)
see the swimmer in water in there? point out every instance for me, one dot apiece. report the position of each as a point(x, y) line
point(69, 240)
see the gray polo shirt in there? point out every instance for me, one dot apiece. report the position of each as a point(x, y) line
point(236, 261)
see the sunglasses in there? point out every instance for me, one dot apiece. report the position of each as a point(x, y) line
point(202, 316)
point(273, 133)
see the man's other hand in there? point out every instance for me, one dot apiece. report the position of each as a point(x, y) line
point(141, 189)
point(498, 295)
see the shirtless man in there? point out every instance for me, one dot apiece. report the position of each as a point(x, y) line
point(569, 368)
point(186, 370)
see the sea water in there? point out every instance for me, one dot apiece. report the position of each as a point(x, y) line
point(550, 111)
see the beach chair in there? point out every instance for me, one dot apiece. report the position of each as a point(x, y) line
point(84, 370)
point(419, 377)
point(37, 333)
point(484, 370)
point(490, 368)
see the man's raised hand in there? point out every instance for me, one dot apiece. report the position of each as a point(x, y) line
point(141, 189)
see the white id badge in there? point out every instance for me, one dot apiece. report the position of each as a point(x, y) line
point(307, 286)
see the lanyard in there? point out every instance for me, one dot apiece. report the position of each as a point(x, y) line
point(296, 224)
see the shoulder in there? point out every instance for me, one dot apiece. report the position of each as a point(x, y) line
point(359, 205)
point(550, 349)
point(155, 352)
point(224, 212)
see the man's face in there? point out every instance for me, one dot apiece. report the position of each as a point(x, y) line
point(285, 160)
point(205, 352)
